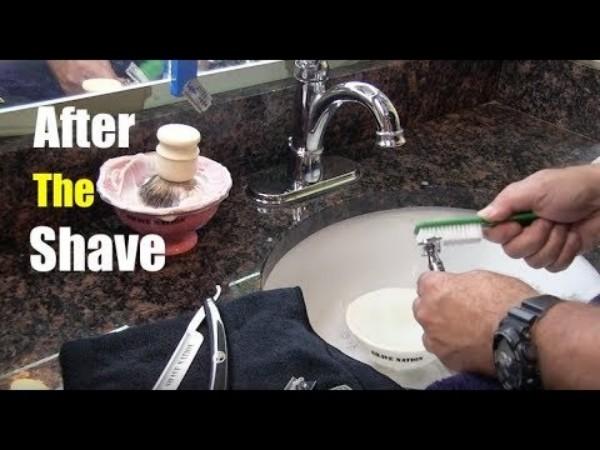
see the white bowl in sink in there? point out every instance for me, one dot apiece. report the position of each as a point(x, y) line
point(348, 259)
point(384, 323)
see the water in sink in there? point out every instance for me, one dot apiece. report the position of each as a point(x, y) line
point(341, 262)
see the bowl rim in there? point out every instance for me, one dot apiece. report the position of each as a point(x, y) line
point(157, 212)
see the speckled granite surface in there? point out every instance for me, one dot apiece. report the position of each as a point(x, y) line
point(562, 92)
point(461, 160)
point(247, 130)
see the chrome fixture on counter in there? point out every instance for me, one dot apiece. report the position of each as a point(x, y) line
point(310, 173)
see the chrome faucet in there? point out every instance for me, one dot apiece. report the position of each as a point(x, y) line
point(308, 174)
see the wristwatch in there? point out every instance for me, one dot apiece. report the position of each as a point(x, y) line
point(515, 356)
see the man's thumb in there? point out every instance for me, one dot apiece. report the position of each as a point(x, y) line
point(513, 199)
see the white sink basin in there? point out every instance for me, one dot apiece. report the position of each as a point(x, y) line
point(343, 261)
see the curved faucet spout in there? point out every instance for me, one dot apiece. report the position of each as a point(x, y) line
point(389, 131)
point(309, 173)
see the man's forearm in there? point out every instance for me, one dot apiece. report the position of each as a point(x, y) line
point(568, 343)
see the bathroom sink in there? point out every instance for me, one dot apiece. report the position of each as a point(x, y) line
point(347, 259)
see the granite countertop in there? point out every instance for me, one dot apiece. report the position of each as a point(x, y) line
point(458, 160)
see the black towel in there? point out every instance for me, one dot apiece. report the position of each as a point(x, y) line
point(269, 337)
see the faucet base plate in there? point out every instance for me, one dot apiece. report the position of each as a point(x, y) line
point(273, 187)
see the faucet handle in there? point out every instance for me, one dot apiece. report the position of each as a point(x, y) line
point(311, 70)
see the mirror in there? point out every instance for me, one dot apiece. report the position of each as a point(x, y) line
point(115, 86)
point(24, 82)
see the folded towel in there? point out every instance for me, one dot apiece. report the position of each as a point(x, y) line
point(269, 338)
point(466, 382)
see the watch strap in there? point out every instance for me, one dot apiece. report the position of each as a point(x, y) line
point(520, 320)
point(541, 304)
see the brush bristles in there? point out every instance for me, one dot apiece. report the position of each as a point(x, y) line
point(159, 193)
point(452, 234)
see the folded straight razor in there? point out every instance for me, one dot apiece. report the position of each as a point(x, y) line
point(185, 352)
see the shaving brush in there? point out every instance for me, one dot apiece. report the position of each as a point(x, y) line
point(176, 164)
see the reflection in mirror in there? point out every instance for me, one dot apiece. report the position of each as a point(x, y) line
point(24, 82)
point(124, 86)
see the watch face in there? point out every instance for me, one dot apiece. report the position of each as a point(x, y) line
point(507, 366)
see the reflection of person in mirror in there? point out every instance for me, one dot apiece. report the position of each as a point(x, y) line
point(27, 81)
point(71, 74)
point(495, 325)
point(23, 81)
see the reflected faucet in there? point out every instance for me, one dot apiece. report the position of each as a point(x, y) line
point(308, 174)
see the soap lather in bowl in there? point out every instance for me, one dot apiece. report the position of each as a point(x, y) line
point(119, 182)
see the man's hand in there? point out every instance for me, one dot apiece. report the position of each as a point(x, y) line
point(70, 74)
point(568, 204)
point(459, 314)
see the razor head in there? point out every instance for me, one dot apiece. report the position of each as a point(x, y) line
point(299, 384)
point(432, 248)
